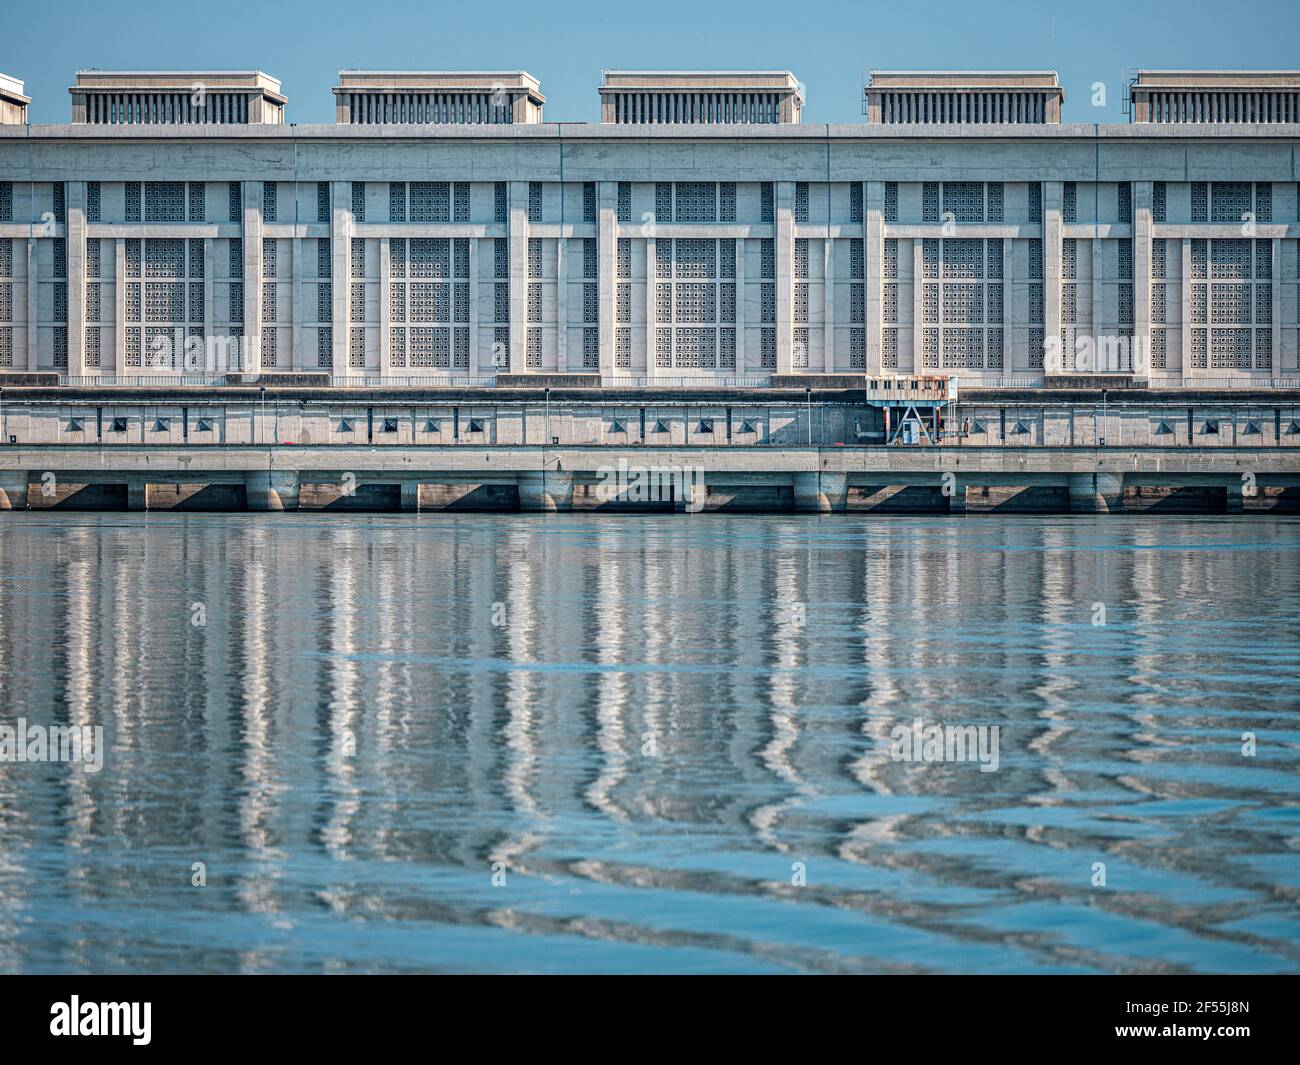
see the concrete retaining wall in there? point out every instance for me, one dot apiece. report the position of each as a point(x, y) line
point(210, 421)
point(884, 480)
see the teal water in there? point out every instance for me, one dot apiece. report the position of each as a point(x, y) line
point(669, 736)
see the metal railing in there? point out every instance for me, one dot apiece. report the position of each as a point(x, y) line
point(143, 380)
point(467, 381)
point(1001, 382)
point(686, 382)
point(489, 380)
point(1224, 382)
point(219, 380)
point(1151, 382)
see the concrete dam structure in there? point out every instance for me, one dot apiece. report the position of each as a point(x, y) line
point(826, 450)
point(698, 303)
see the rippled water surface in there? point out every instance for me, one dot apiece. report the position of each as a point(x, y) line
point(668, 736)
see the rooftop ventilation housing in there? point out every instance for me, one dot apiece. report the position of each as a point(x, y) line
point(387, 97)
point(1238, 96)
point(963, 97)
point(13, 104)
point(201, 97)
point(687, 97)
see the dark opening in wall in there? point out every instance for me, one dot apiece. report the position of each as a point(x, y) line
point(366, 497)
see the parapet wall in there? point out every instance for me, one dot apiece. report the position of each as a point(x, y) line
point(1012, 418)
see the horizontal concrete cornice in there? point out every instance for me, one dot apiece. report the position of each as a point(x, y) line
point(922, 465)
point(576, 132)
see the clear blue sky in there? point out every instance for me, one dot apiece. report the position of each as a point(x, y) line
point(827, 44)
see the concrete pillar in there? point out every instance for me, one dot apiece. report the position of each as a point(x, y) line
point(252, 234)
point(562, 363)
point(545, 490)
point(784, 246)
point(694, 495)
point(1185, 305)
point(296, 360)
point(137, 495)
point(385, 335)
point(807, 493)
point(75, 246)
point(820, 493)
point(119, 303)
point(33, 303)
point(607, 282)
point(1142, 196)
point(1013, 296)
point(209, 302)
point(1275, 364)
point(518, 249)
point(651, 304)
point(411, 496)
point(743, 365)
point(828, 304)
point(272, 489)
point(917, 364)
point(341, 223)
point(957, 497)
point(1053, 198)
point(1096, 493)
point(1235, 496)
point(474, 367)
point(13, 489)
point(835, 490)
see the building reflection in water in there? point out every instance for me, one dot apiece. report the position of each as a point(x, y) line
point(369, 714)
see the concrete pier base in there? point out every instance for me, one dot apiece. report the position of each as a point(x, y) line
point(411, 496)
point(1096, 493)
point(957, 498)
point(548, 491)
point(267, 490)
point(1236, 496)
point(820, 493)
point(694, 498)
point(13, 489)
point(742, 480)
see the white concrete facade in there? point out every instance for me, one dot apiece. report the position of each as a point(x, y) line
point(624, 253)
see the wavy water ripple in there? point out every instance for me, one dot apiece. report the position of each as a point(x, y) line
point(667, 736)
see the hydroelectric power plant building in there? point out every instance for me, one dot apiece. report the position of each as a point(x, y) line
point(183, 269)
